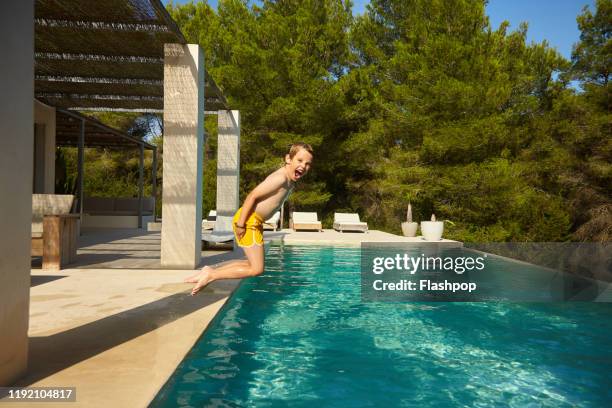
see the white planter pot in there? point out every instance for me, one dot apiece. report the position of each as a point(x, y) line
point(409, 229)
point(432, 230)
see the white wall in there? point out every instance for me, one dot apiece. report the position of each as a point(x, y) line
point(45, 115)
point(16, 151)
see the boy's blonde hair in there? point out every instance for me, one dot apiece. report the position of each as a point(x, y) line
point(295, 147)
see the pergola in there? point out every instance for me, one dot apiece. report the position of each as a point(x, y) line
point(130, 56)
point(74, 129)
point(105, 56)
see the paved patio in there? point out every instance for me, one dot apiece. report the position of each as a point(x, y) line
point(332, 237)
point(115, 325)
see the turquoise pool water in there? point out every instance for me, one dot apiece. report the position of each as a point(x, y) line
point(300, 336)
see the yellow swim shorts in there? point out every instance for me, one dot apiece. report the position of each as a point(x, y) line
point(254, 230)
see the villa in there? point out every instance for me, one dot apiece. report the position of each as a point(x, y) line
point(67, 57)
point(119, 295)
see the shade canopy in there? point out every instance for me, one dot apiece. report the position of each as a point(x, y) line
point(106, 55)
point(97, 134)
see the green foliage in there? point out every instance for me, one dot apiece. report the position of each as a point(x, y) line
point(591, 56)
point(416, 100)
point(112, 172)
point(457, 102)
point(108, 172)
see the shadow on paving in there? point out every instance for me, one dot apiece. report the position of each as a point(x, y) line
point(131, 259)
point(36, 280)
point(51, 354)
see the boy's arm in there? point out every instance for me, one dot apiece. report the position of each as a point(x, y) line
point(266, 188)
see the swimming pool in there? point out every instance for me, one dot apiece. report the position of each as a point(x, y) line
point(300, 335)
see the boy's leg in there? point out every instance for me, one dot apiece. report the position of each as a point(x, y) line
point(255, 256)
point(233, 270)
point(200, 272)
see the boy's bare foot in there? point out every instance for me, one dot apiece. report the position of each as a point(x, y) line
point(193, 278)
point(196, 276)
point(203, 279)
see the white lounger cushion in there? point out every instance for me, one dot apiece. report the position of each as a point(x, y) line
point(305, 217)
point(274, 218)
point(346, 218)
point(349, 222)
point(272, 222)
point(306, 221)
point(209, 222)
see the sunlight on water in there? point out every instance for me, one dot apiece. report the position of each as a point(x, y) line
point(299, 335)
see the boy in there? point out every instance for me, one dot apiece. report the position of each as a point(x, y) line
point(248, 221)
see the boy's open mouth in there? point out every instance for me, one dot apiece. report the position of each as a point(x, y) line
point(298, 173)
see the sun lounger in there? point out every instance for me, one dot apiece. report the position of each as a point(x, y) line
point(349, 222)
point(272, 222)
point(222, 231)
point(306, 221)
point(209, 222)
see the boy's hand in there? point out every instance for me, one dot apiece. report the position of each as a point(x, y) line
point(240, 231)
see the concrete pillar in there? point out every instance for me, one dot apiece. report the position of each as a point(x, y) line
point(140, 182)
point(44, 116)
point(181, 236)
point(81, 169)
point(228, 162)
point(154, 183)
point(16, 152)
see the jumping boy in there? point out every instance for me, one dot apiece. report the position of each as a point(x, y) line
point(259, 205)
